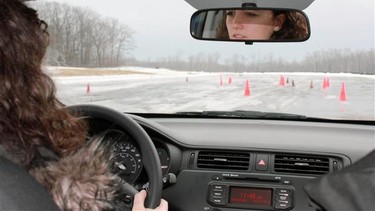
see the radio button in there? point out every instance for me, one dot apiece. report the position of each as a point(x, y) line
point(282, 198)
point(286, 182)
point(280, 205)
point(218, 201)
point(217, 194)
point(283, 191)
point(217, 187)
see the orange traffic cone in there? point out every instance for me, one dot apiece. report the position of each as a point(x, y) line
point(230, 80)
point(311, 84)
point(88, 88)
point(247, 88)
point(282, 81)
point(221, 80)
point(325, 83)
point(343, 93)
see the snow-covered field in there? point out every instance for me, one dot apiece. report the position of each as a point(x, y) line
point(168, 91)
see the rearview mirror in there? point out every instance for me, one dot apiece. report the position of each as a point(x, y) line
point(250, 25)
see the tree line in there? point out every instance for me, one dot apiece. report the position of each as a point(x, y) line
point(332, 60)
point(81, 37)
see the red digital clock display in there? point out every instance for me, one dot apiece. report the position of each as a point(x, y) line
point(250, 196)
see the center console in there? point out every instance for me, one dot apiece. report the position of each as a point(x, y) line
point(251, 192)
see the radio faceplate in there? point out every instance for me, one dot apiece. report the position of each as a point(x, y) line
point(250, 196)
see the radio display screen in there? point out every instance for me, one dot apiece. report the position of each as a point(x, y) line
point(250, 196)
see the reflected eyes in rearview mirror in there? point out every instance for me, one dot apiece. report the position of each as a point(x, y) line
point(250, 25)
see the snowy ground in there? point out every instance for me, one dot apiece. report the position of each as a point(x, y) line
point(166, 91)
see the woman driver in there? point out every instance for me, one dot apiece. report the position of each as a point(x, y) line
point(37, 132)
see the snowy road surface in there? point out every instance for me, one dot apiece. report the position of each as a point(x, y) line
point(172, 91)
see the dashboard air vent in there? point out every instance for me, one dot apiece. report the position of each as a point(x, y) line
point(301, 164)
point(223, 160)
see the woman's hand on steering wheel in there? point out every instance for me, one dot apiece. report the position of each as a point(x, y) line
point(139, 199)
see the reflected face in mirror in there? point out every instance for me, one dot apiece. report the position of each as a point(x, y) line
point(252, 24)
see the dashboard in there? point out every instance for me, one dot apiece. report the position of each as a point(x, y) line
point(239, 164)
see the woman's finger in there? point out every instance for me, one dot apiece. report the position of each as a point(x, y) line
point(139, 199)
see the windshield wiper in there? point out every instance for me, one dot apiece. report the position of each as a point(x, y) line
point(241, 114)
point(246, 114)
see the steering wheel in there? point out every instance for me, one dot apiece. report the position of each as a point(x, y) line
point(149, 154)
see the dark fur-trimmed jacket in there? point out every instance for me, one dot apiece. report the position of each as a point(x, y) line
point(79, 181)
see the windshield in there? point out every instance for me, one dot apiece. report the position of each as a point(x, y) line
point(139, 57)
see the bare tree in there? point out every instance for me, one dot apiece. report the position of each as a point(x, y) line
point(81, 37)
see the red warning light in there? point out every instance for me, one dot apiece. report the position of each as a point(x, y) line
point(262, 163)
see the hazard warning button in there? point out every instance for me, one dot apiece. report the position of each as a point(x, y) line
point(261, 162)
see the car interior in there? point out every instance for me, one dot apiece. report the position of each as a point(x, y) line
point(217, 160)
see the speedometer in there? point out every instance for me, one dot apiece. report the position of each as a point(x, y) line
point(127, 161)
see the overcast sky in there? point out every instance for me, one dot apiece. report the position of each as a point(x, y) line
point(162, 28)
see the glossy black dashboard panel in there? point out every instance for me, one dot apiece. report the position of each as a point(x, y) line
point(332, 145)
point(252, 156)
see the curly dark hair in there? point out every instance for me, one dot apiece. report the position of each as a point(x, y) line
point(294, 27)
point(222, 30)
point(31, 115)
